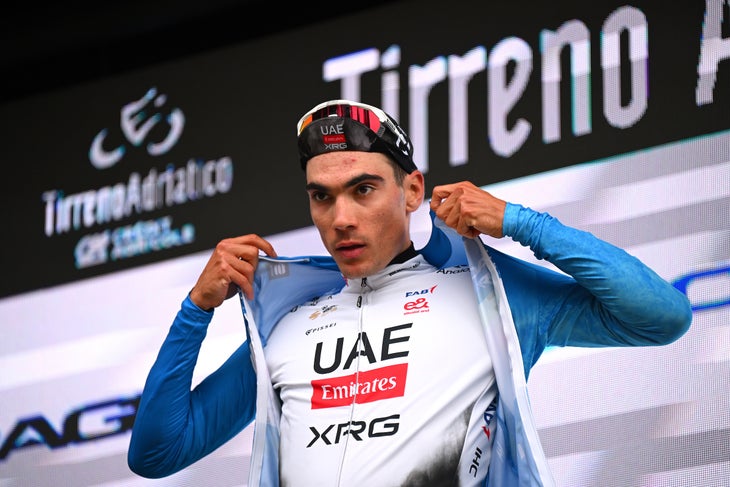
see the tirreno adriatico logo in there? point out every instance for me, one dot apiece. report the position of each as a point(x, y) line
point(140, 193)
point(136, 123)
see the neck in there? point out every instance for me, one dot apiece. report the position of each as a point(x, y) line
point(407, 254)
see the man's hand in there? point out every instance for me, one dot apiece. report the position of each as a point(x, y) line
point(468, 209)
point(230, 267)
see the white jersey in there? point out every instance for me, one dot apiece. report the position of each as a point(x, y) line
point(369, 399)
point(386, 383)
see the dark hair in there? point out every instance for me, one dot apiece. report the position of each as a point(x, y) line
point(398, 172)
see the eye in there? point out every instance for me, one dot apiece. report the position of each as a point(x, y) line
point(318, 196)
point(364, 189)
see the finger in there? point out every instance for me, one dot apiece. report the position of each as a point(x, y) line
point(264, 245)
point(463, 225)
point(449, 210)
point(242, 266)
point(242, 243)
point(440, 193)
point(244, 253)
point(230, 267)
point(243, 277)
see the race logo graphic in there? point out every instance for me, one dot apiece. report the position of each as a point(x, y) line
point(360, 388)
point(141, 121)
point(136, 126)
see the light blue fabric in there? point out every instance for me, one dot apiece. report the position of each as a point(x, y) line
point(605, 298)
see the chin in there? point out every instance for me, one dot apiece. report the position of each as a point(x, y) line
point(351, 274)
point(352, 271)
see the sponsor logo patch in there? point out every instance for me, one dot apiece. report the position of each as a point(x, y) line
point(369, 386)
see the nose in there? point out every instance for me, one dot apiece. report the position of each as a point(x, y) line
point(344, 214)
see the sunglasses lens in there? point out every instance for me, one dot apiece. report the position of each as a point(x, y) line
point(371, 117)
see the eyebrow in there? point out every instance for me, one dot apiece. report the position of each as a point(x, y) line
point(352, 182)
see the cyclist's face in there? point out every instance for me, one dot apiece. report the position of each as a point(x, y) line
point(361, 212)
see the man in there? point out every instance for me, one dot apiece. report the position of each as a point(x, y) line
point(383, 364)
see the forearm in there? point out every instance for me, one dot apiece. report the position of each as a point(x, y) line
point(633, 304)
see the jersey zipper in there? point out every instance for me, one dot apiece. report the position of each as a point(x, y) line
point(359, 305)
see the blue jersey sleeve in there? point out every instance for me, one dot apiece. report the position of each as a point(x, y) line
point(176, 425)
point(606, 297)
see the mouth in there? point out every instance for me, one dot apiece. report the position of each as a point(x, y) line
point(350, 250)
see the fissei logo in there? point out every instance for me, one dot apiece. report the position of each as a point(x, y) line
point(136, 124)
point(320, 328)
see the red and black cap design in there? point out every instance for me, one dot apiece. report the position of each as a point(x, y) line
point(338, 125)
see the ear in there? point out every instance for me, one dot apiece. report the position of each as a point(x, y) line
point(414, 186)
